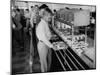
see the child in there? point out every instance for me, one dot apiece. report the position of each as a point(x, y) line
point(43, 33)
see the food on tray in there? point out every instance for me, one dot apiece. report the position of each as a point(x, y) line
point(60, 45)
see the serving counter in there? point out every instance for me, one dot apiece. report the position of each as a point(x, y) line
point(88, 56)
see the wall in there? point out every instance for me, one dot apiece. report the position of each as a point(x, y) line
point(52, 6)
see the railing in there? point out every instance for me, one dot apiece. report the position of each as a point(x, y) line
point(68, 55)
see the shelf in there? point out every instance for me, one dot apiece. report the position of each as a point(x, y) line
point(65, 22)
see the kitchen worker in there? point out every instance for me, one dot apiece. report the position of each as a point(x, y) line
point(43, 34)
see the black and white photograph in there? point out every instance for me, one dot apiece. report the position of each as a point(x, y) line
point(52, 37)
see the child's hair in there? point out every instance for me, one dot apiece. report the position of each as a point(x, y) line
point(43, 6)
point(31, 6)
point(36, 6)
point(48, 10)
point(27, 9)
point(18, 9)
point(54, 10)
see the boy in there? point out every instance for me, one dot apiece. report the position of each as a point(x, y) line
point(43, 34)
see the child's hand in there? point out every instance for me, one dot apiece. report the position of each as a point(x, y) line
point(55, 48)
